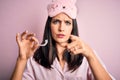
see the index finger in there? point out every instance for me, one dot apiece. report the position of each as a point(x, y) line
point(73, 37)
point(71, 45)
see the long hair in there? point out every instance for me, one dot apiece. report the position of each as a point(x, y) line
point(45, 55)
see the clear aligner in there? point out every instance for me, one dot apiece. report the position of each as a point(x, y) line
point(44, 44)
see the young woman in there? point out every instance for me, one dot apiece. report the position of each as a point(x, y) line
point(62, 55)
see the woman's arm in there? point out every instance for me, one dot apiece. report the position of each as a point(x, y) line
point(19, 69)
point(78, 46)
point(99, 72)
point(27, 44)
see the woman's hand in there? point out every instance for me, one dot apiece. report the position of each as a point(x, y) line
point(27, 43)
point(78, 46)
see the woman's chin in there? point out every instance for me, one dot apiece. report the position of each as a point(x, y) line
point(61, 40)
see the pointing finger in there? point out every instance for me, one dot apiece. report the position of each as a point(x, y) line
point(36, 43)
point(29, 36)
point(72, 44)
point(23, 35)
point(73, 37)
point(35, 40)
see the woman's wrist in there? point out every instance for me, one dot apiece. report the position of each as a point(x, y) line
point(91, 56)
point(22, 59)
point(22, 56)
point(19, 69)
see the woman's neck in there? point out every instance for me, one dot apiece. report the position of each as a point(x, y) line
point(60, 49)
point(60, 52)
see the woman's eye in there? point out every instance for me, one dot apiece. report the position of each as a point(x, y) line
point(56, 22)
point(68, 23)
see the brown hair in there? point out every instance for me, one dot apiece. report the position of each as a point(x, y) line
point(45, 55)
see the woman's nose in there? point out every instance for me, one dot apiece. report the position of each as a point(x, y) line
point(62, 27)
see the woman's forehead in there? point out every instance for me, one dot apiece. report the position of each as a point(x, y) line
point(62, 16)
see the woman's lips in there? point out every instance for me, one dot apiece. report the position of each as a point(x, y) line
point(60, 35)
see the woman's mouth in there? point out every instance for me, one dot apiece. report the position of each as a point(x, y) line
point(60, 35)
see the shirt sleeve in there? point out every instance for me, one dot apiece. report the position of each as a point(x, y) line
point(28, 72)
point(89, 72)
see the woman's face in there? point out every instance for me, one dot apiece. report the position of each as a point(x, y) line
point(61, 27)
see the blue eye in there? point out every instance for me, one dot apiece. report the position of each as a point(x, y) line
point(55, 21)
point(67, 22)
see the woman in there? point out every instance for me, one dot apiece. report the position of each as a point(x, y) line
point(62, 54)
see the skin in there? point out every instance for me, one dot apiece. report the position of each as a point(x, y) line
point(60, 25)
point(27, 44)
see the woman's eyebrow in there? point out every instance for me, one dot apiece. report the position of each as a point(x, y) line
point(68, 20)
point(56, 19)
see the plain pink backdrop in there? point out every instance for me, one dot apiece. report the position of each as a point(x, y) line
point(98, 20)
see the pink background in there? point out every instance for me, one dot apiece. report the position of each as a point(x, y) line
point(98, 20)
